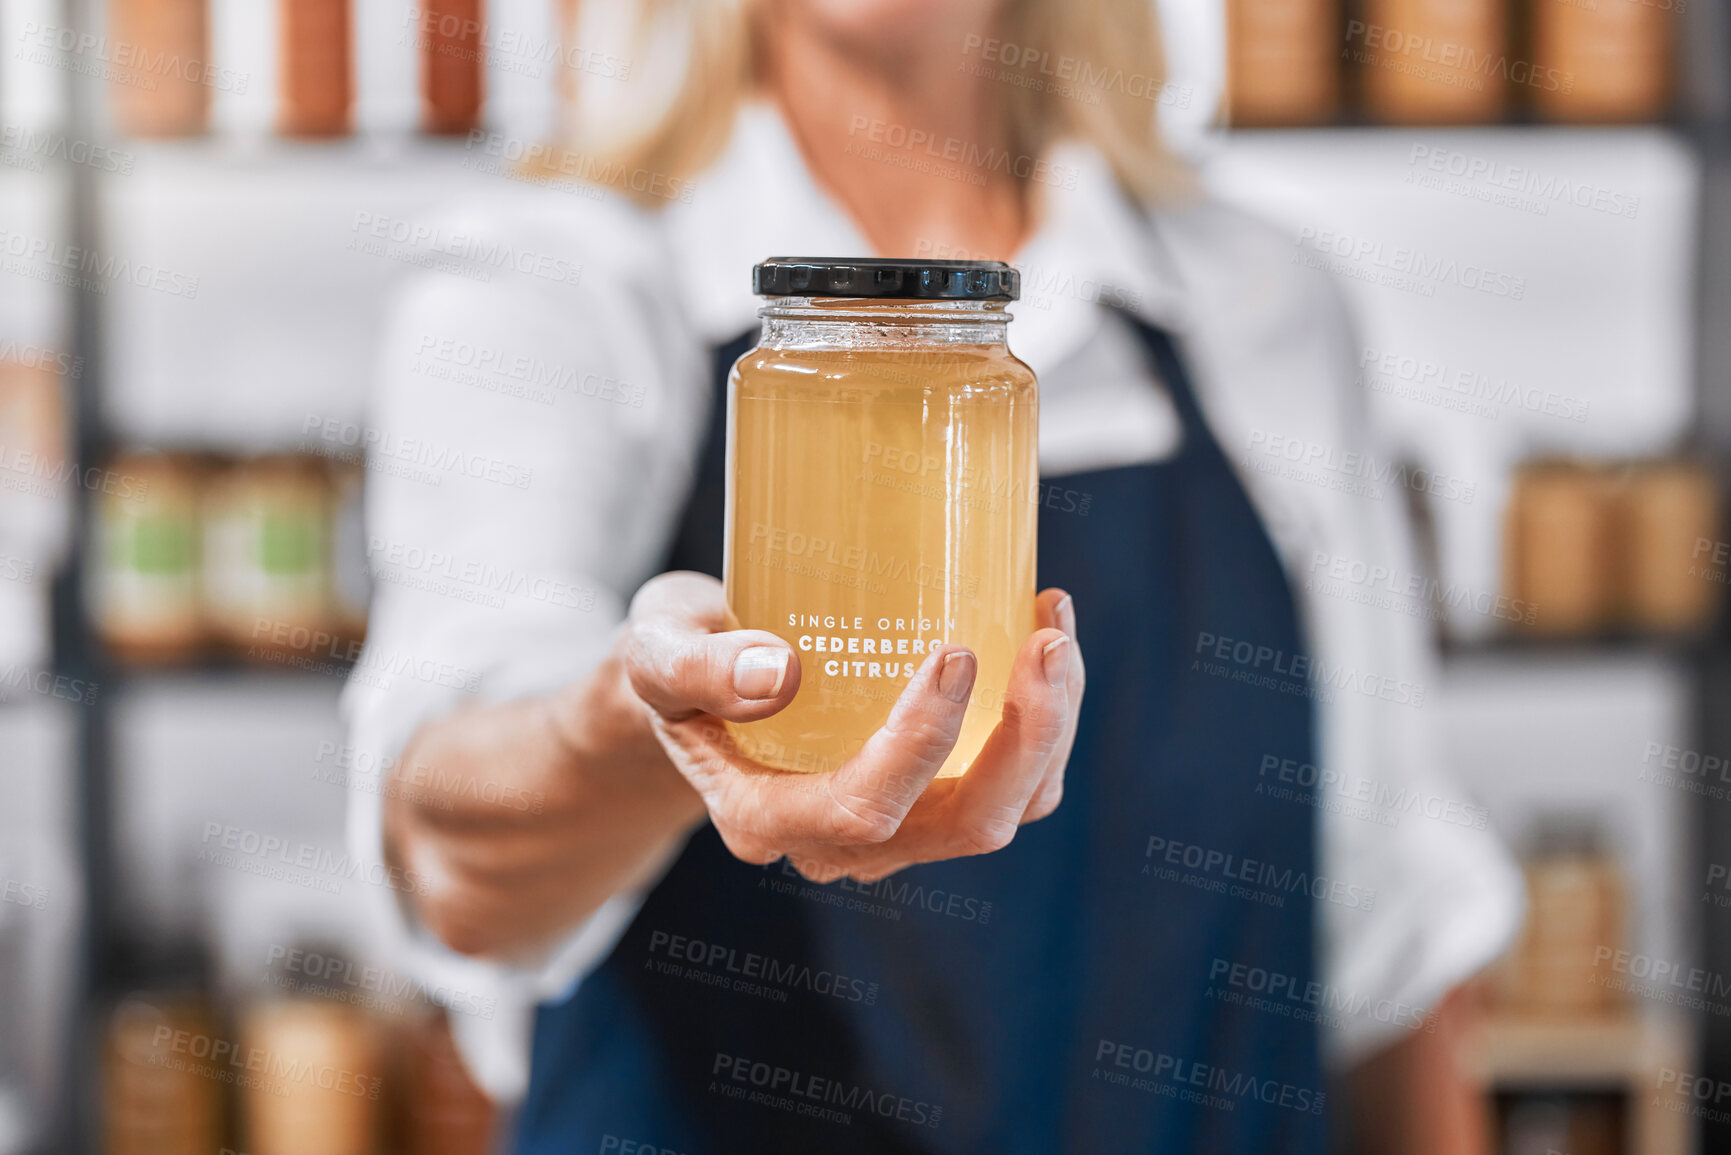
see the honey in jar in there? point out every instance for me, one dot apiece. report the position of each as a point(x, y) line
point(882, 449)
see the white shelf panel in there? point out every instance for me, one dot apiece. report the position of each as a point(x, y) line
point(236, 751)
point(1582, 343)
point(1605, 313)
point(1532, 735)
point(35, 308)
point(287, 308)
point(38, 926)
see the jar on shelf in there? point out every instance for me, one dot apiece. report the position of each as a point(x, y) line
point(266, 527)
point(316, 66)
point(1668, 536)
point(155, 1100)
point(1605, 60)
point(445, 1113)
point(1283, 61)
point(144, 582)
point(1575, 912)
point(1557, 555)
point(336, 1113)
point(882, 495)
point(1432, 61)
point(160, 85)
point(453, 55)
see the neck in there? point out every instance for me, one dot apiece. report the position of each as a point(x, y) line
point(894, 135)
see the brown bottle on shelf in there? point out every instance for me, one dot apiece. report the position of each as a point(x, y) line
point(452, 56)
point(317, 67)
point(445, 1113)
point(1611, 59)
point(144, 585)
point(1432, 61)
point(155, 1099)
point(1282, 67)
point(320, 1086)
point(1668, 530)
point(1557, 549)
point(157, 82)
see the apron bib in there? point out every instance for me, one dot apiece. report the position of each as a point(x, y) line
point(1070, 993)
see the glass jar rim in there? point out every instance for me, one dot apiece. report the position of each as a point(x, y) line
point(886, 310)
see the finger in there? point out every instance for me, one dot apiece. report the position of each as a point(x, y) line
point(762, 813)
point(899, 761)
point(680, 667)
point(1058, 609)
point(815, 869)
point(862, 803)
point(987, 804)
point(925, 834)
point(681, 594)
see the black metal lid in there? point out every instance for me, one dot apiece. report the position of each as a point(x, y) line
point(876, 277)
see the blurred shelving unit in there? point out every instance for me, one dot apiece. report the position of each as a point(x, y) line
point(260, 326)
point(1608, 256)
point(1620, 313)
point(1620, 1058)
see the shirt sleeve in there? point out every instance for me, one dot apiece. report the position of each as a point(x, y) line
point(531, 438)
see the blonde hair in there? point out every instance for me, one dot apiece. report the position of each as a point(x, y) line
point(1108, 55)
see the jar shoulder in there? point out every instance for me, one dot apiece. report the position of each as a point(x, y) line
point(773, 371)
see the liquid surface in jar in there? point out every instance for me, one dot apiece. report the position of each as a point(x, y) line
point(882, 502)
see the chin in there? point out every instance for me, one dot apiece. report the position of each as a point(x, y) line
point(881, 24)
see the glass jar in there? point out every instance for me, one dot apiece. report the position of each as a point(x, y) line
point(1434, 61)
point(882, 477)
point(1602, 60)
point(453, 54)
point(316, 67)
point(266, 560)
point(1282, 62)
point(145, 598)
point(160, 88)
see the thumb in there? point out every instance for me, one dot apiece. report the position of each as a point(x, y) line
point(680, 668)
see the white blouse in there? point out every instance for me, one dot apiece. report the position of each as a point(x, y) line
point(553, 357)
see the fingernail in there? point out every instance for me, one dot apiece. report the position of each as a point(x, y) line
point(1067, 614)
point(1056, 661)
point(956, 675)
point(759, 671)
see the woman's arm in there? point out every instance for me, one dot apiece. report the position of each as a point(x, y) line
point(631, 757)
point(607, 809)
point(1416, 1098)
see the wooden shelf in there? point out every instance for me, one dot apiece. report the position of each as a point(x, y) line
point(1617, 1052)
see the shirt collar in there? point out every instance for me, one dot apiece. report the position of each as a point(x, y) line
point(1093, 246)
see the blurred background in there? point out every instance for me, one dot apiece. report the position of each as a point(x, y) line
point(203, 207)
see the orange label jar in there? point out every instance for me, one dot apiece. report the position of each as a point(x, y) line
point(882, 448)
point(1613, 57)
point(1282, 66)
point(1435, 61)
point(452, 59)
point(158, 85)
point(315, 60)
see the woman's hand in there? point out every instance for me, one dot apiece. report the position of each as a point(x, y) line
point(881, 810)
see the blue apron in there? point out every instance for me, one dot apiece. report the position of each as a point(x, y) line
point(1071, 993)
